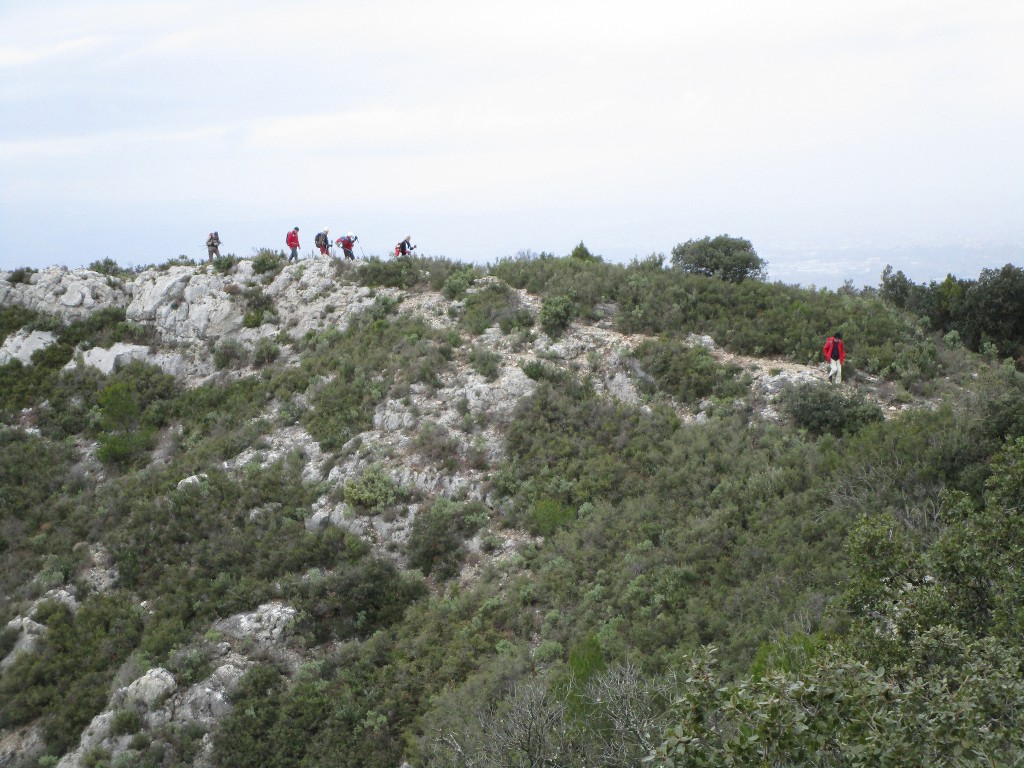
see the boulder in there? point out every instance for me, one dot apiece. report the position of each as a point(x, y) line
point(150, 689)
point(266, 625)
point(21, 345)
point(185, 305)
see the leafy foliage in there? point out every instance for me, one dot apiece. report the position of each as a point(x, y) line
point(732, 259)
point(823, 410)
point(687, 373)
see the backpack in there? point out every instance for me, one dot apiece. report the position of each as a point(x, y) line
point(320, 240)
point(211, 240)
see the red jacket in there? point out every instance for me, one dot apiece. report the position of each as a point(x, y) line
point(828, 349)
point(293, 239)
point(346, 242)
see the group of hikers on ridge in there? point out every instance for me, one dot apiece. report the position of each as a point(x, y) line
point(347, 243)
point(834, 349)
point(322, 241)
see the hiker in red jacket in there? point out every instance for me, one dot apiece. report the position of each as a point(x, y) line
point(835, 353)
point(292, 241)
point(347, 243)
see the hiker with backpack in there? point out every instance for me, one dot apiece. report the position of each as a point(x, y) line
point(835, 353)
point(323, 242)
point(347, 243)
point(405, 247)
point(292, 241)
point(213, 245)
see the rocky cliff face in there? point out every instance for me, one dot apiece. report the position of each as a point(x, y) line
point(191, 311)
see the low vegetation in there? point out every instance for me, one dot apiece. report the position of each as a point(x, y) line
point(825, 586)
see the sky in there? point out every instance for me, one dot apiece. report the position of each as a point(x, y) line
point(837, 137)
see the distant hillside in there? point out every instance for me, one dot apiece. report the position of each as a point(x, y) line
point(551, 512)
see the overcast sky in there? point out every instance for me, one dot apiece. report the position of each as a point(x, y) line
point(836, 136)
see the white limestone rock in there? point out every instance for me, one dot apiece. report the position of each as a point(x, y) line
point(149, 690)
point(70, 295)
point(185, 305)
point(22, 344)
point(266, 625)
point(29, 633)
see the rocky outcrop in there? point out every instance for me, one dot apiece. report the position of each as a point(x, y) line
point(21, 345)
point(31, 631)
point(119, 355)
point(264, 626)
point(70, 295)
point(184, 304)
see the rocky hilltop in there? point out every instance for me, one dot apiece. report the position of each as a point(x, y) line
point(439, 438)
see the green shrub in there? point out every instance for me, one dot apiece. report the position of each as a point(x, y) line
point(582, 253)
point(109, 266)
point(485, 362)
point(125, 722)
point(268, 261)
point(400, 272)
point(125, 450)
point(520, 319)
point(555, 315)
point(822, 409)
point(65, 684)
point(21, 275)
point(354, 600)
point(372, 491)
point(221, 264)
point(230, 353)
point(492, 303)
point(458, 282)
point(189, 666)
point(548, 516)
point(435, 541)
point(687, 373)
point(265, 352)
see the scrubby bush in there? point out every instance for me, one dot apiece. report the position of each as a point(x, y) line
point(354, 599)
point(230, 353)
point(485, 362)
point(822, 409)
point(400, 272)
point(21, 275)
point(456, 284)
point(555, 315)
point(372, 491)
point(435, 541)
point(490, 304)
point(221, 264)
point(687, 373)
point(547, 516)
point(582, 253)
point(265, 352)
point(268, 261)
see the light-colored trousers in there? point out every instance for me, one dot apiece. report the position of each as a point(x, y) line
point(835, 369)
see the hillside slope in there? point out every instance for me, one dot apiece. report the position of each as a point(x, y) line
point(359, 502)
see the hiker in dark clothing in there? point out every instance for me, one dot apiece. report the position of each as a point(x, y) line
point(213, 246)
point(405, 247)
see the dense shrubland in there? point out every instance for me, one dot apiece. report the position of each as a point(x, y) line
point(834, 589)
